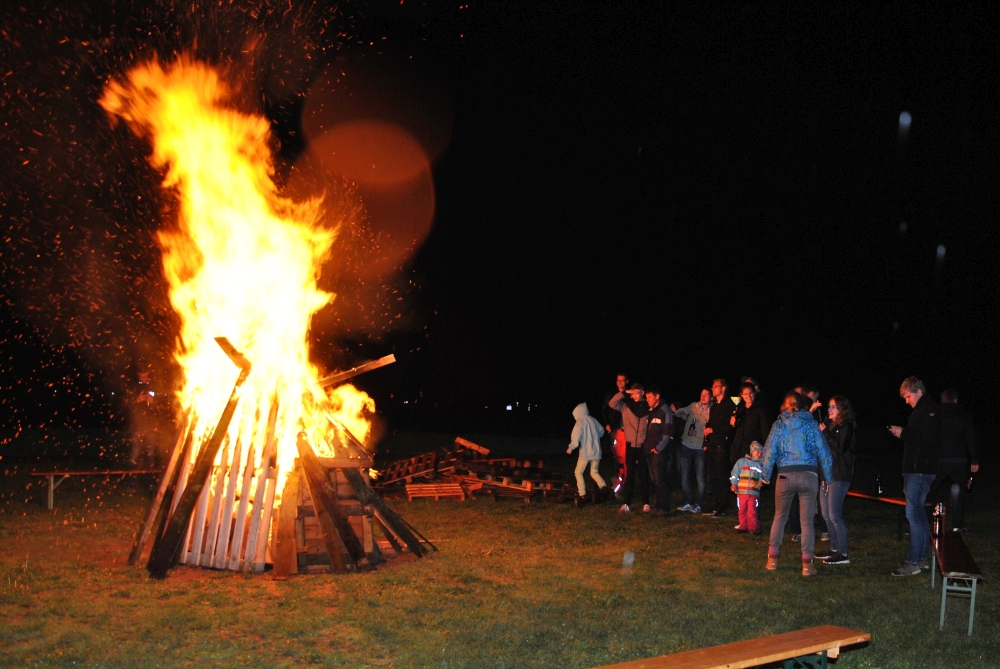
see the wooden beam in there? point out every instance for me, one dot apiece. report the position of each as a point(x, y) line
point(368, 497)
point(339, 377)
point(285, 557)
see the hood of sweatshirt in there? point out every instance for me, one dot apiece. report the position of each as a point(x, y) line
point(581, 412)
point(795, 420)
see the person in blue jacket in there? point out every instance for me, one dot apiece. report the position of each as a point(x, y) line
point(586, 436)
point(796, 449)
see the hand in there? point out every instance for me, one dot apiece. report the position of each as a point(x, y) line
point(733, 488)
point(732, 421)
point(896, 430)
point(707, 431)
point(815, 405)
point(974, 468)
point(763, 482)
point(822, 427)
point(569, 451)
point(673, 408)
point(607, 428)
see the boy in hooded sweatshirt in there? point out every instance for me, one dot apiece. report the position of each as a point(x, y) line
point(586, 436)
point(746, 480)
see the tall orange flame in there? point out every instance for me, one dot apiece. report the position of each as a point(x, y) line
point(242, 262)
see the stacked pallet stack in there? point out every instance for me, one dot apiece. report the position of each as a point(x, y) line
point(465, 470)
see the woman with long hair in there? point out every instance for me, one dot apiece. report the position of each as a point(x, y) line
point(840, 433)
point(797, 450)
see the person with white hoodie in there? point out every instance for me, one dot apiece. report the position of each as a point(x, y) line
point(586, 436)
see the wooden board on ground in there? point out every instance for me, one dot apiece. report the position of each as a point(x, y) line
point(756, 652)
point(435, 490)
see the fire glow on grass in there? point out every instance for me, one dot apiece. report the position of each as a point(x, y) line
point(242, 262)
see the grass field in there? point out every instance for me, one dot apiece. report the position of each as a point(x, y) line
point(512, 585)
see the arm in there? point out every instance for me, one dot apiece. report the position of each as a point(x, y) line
point(683, 412)
point(617, 402)
point(822, 451)
point(769, 459)
point(574, 439)
point(734, 476)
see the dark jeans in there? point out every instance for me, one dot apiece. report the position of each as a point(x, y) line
point(831, 502)
point(638, 472)
point(915, 489)
point(718, 472)
point(695, 457)
point(789, 486)
point(662, 464)
point(952, 477)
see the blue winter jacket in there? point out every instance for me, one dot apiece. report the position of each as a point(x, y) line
point(586, 434)
point(796, 444)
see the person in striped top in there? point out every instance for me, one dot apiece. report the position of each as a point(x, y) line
point(746, 482)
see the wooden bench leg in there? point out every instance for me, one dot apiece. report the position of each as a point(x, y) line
point(944, 599)
point(53, 484)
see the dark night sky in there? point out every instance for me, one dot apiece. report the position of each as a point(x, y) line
point(679, 190)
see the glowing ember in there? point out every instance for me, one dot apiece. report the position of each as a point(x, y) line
point(242, 262)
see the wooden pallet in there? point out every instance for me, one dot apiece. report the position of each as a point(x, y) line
point(435, 490)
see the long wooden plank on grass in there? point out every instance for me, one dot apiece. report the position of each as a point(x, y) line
point(257, 512)
point(222, 543)
point(285, 556)
point(169, 551)
point(166, 483)
point(336, 529)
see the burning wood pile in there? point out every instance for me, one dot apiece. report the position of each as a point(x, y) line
point(267, 449)
point(465, 470)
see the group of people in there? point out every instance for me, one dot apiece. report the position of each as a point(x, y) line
point(809, 452)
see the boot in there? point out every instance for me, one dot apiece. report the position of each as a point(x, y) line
point(808, 568)
point(772, 562)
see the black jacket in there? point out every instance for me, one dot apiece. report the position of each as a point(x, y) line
point(958, 435)
point(842, 440)
point(612, 417)
point(659, 429)
point(922, 438)
point(718, 420)
point(755, 426)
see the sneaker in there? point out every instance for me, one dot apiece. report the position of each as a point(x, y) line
point(962, 530)
point(823, 555)
point(808, 568)
point(796, 537)
point(645, 508)
point(924, 564)
point(824, 536)
point(718, 514)
point(906, 569)
point(695, 509)
point(838, 558)
point(686, 507)
point(624, 509)
point(772, 563)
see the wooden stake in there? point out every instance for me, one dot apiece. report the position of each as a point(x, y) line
point(257, 512)
point(389, 517)
point(236, 546)
point(222, 543)
point(215, 518)
point(259, 556)
point(173, 492)
point(340, 377)
point(165, 483)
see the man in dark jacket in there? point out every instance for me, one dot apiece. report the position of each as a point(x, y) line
point(959, 456)
point(716, 446)
point(921, 443)
point(657, 446)
point(634, 411)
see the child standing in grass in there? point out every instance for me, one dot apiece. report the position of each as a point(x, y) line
point(746, 480)
point(586, 436)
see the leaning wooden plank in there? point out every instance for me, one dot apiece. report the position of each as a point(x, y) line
point(285, 561)
point(340, 377)
point(336, 530)
point(191, 552)
point(481, 450)
point(165, 484)
point(218, 502)
point(239, 531)
point(222, 542)
point(264, 534)
point(172, 494)
point(755, 652)
point(394, 541)
point(170, 547)
point(257, 512)
point(368, 497)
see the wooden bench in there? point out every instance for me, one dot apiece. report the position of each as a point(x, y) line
point(959, 572)
point(53, 484)
point(809, 648)
point(896, 501)
point(435, 490)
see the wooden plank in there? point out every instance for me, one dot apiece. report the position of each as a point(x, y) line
point(222, 542)
point(340, 377)
point(755, 652)
point(167, 482)
point(481, 450)
point(264, 534)
point(389, 517)
point(337, 532)
point(239, 530)
point(341, 463)
point(285, 560)
point(218, 503)
point(954, 558)
point(257, 512)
